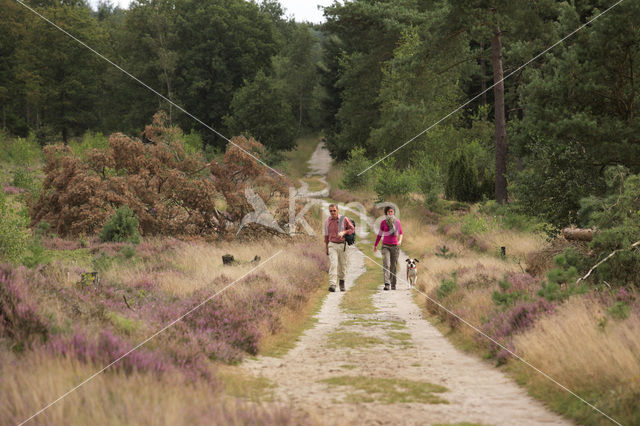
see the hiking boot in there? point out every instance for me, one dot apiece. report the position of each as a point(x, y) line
point(332, 288)
point(393, 286)
point(386, 286)
point(341, 285)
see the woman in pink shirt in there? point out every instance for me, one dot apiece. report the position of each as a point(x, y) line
point(391, 234)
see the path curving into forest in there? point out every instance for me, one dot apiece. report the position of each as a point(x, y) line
point(389, 365)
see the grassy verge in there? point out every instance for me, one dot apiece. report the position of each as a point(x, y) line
point(579, 341)
point(294, 324)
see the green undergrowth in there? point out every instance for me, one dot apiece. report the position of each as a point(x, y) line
point(297, 160)
point(387, 390)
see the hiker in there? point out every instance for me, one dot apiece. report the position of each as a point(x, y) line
point(391, 229)
point(335, 228)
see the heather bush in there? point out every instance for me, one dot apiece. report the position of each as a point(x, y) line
point(121, 227)
point(516, 319)
point(19, 320)
point(107, 348)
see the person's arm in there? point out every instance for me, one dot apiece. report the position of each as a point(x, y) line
point(349, 228)
point(326, 239)
point(399, 232)
point(375, 245)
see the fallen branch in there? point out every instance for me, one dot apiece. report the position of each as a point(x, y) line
point(578, 234)
point(634, 245)
point(127, 303)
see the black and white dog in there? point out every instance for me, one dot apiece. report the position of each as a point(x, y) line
point(412, 271)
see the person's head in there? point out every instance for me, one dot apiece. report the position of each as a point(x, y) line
point(389, 211)
point(333, 210)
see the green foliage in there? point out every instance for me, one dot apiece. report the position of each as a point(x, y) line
point(121, 227)
point(429, 181)
point(356, 163)
point(447, 286)
point(617, 217)
point(128, 252)
point(14, 236)
point(392, 181)
point(444, 252)
point(193, 142)
point(560, 284)
point(20, 151)
point(506, 298)
point(462, 180)
point(89, 141)
point(260, 109)
point(38, 255)
point(474, 224)
point(510, 217)
point(620, 310)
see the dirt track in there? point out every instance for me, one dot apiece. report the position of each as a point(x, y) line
point(475, 391)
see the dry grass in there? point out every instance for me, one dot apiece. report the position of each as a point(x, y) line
point(114, 398)
point(197, 266)
point(579, 347)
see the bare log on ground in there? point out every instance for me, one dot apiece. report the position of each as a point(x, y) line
point(578, 234)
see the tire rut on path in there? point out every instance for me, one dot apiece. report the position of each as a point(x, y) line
point(476, 392)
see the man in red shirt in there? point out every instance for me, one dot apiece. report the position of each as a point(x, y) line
point(335, 228)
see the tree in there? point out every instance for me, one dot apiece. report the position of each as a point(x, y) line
point(581, 104)
point(59, 75)
point(260, 109)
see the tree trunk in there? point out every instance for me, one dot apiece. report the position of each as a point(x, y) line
point(483, 81)
point(500, 121)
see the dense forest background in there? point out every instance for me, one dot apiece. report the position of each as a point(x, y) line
point(558, 140)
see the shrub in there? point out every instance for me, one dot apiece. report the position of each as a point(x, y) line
point(21, 151)
point(90, 141)
point(429, 181)
point(13, 231)
point(193, 143)
point(19, 319)
point(356, 163)
point(617, 217)
point(447, 286)
point(390, 181)
point(37, 254)
point(560, 284)
point(122, 227)
point(462, 180)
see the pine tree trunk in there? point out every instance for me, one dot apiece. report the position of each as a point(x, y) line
point(483, 81)
point(500, 121)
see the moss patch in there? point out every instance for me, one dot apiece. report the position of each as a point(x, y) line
point(388, 391)
point(350, 339)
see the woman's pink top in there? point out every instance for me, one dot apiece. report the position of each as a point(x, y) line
point(391, 240)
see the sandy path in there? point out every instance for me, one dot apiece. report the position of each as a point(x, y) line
point(476, 393)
